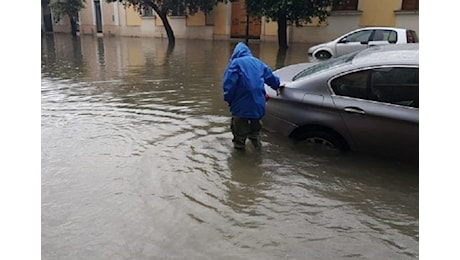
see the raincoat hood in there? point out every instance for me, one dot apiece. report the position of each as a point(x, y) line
point(241, 50)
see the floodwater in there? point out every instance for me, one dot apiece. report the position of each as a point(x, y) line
point(137, 163)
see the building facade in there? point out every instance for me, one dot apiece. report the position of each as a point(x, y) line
point(227, 21)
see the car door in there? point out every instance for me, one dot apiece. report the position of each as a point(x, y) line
point(385, 122)
point(353, 42)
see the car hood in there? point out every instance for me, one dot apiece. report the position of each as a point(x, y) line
point(287, 73)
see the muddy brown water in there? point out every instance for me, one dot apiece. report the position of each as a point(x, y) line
point(137, 163)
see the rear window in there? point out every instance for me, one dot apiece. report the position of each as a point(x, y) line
point(411, 36)
point(325, 65)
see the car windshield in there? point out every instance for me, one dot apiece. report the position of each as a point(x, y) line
point(325, 65)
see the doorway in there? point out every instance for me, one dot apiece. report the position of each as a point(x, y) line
point(238, 27)
point(97, 8)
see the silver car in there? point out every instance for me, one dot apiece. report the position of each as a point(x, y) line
point(361, 39)
point(365, 101)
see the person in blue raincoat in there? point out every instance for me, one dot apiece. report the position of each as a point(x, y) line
point(244, 91)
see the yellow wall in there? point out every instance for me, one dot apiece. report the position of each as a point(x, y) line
point(198, 19)
point(271, 29)
point(379, 12)
point(132, 17)
point(220, 18)
point(373, 13)
point(159, 22)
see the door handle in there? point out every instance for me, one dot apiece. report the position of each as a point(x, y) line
point(354, 110)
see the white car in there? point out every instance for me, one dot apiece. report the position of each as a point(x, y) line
point(362, 38)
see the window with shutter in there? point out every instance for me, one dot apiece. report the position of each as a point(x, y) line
point(409, 5)
point(345, 5)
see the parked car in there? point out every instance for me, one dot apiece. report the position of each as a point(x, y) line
point(365, 101)
point(362, 38)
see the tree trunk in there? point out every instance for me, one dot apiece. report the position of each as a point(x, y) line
point(169, 31)
point(164, 19)
point(282, 31)
point(280, 58)
point(246, 35)
point(73, 25)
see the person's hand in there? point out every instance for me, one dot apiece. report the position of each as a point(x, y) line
point(282, 85)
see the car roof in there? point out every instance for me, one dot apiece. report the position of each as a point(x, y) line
point(380, 28)
point(402, 54)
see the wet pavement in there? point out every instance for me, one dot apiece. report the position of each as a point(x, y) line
point(137, 163)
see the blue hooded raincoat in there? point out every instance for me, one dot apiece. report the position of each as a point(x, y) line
point(243, 83)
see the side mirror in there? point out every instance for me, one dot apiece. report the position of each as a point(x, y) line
point(343, 40)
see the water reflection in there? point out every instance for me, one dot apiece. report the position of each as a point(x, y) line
point(137, 160)
point(246, 184)
point(281, 58)
point(100, 51)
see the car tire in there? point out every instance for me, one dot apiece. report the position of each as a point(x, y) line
point(323, 139)
point(323, 55)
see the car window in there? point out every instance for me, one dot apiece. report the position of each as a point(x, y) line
point(361, 36)
point(393, 37)
point(398, 85)
point(394, 85)
point(351, 85)
point(325, 65)
point(411, 36)
point(385, 35)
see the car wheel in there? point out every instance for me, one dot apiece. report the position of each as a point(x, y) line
point(323, 55)
point(323, 139)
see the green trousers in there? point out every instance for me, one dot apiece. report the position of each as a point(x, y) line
point(242, 129)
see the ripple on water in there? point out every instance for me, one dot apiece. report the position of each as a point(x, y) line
point(139, 152)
